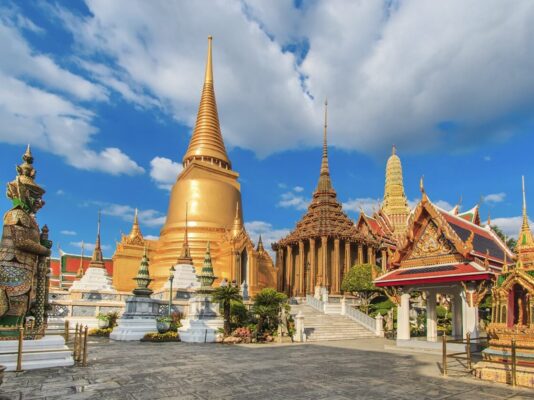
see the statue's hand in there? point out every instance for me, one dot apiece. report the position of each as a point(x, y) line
point(46, 243)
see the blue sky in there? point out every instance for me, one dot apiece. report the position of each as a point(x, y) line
point(107, 94)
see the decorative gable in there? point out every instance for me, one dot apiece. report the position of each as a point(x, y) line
point(431, 243)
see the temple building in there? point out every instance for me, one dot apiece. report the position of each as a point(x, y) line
point(209, 190)
point(70, 267)
point(324, 244)
point(446, 254)
point(512, 314)
point(127, 255)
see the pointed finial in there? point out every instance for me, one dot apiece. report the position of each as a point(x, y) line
point(422, 184)
point(97, 244)
point(325, 143)
point(524, 196)
point(489, 219)
point(393, 150)
point(28, 157)
point(260, 247)
point(505, 262)
point(136, 219)
point(209, 66)
point(185, 255)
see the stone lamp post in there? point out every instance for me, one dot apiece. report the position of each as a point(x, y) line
point(171, 278)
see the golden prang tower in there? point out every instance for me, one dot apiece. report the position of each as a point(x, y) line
point(395, 204)
point(208, 191)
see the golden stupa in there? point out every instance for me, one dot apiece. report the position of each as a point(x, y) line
point(208, 191)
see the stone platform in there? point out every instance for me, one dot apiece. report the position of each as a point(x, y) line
point(56, 355)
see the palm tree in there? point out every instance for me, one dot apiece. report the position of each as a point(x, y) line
point(224, 295)
point(267, 305)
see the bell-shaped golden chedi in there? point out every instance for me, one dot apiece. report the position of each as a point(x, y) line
point(208, 191)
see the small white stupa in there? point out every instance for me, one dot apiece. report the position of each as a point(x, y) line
point(95, 278)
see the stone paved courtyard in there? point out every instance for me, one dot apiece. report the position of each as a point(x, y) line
point(359, 369)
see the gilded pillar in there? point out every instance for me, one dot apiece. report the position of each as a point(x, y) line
point(290, 271)
point(369, 255)
point(347, 258)
point(360, 253)
point(313, 278)
point(335, 268)
point(302, 276)
point(324, 259)
point(280, 265)
point(384, 259)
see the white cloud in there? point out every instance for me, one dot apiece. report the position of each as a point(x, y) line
point(88, 247)
point(68, 233)
point(150, 217)
point(151, 237)
point(164, 172)
point(298, 189)
point(494, 198)
point(60, 192)
point(292, 200)
point(510, 226)
point(39, 105)
point(445, 205)
point(487, 158)
point(268, 234)
point(368, 205)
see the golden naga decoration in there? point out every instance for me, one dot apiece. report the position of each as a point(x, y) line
point(24, 252)
point(393, 293)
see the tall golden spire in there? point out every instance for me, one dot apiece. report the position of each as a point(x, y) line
point(207, 143)
point(97, 260)
point(325, 183)
point(136, 231)
point(525, 239)
point(185, 255)
point(238, 224)
point(395, 204)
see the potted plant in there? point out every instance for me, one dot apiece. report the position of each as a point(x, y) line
point(163, 324)
point(103, 321)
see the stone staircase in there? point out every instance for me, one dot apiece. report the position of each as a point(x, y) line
point(322, 327)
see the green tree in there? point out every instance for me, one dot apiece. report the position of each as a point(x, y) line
point(225, 295)
point(510, 241)
point(267, 304)
point(359, 282)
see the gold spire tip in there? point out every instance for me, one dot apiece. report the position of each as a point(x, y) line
point(209, 66)
point(393, 150)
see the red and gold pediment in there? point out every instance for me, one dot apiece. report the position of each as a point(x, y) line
point(432, 242)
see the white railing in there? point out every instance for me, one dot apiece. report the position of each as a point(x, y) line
point(375, 325)
point(315, 303)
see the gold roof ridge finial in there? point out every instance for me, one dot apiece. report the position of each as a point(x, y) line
point(394, 150)
point(207, 143)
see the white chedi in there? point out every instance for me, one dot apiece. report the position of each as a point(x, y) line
point(94, 279)
point(185, 277)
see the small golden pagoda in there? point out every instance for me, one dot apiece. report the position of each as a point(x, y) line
point(127, 255)
point(324, 244)
point(512, 314)
point(205, 201)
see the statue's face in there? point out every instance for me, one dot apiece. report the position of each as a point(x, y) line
point(35, 201)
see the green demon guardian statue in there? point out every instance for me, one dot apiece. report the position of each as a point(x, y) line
point(24, 256)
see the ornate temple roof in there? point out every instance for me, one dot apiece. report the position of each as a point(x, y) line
point(207, 142)
point(443, 247)
point(135, 236)
point(324, 216)
point(97, 260)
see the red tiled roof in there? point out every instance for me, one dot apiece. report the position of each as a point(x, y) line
point(434, 274)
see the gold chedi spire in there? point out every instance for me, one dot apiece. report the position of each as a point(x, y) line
point(395, 204)
point(97, 260)
point(325, 183)
point(185, 255)
point(260, 247)
point(238, 224)
point(525, 241)
point(206, 142)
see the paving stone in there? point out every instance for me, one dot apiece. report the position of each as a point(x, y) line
point(359, 369)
